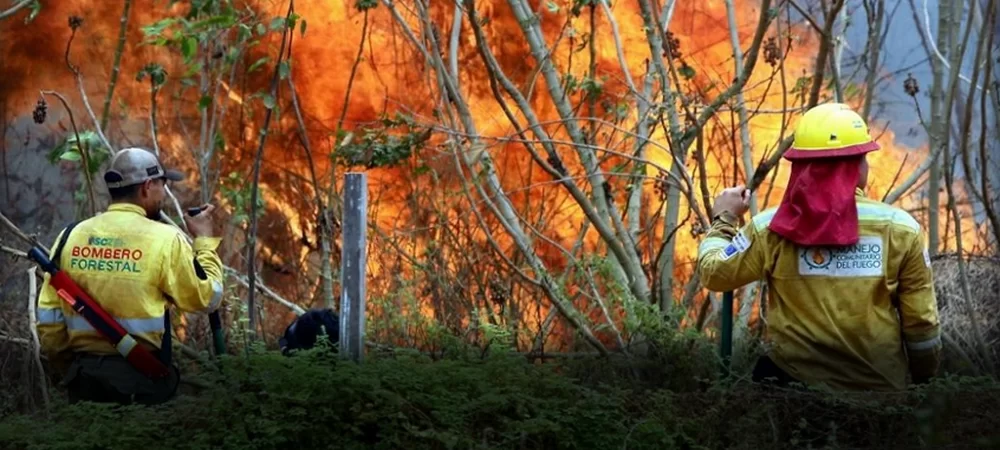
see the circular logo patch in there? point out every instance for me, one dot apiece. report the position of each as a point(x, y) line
point(817, 258)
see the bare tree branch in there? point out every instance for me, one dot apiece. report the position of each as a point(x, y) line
point(235, 274)
point(876, 16)
point(116, 65)
point(14, 9)
point(591, 210)
point(502, 208)
point(625, 254)
point(35, 344)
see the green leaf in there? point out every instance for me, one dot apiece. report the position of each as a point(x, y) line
point(221, 21)
point(36, 7)
point(851, 90)
point(96, 158)
point(220, 142)
point(261, 30)
point(268, 101)
point(232, 55)
point(205, 102)
point(258, 63)
point(157, 28)
point(364, 5)
point(188, 48)
point(277, 23)
point(71, 155)
point(302, 27)
point(244, 33)
point(552, 7)
point(687, 72)
point(800, 84)
point(193, 69)
point(284, 69)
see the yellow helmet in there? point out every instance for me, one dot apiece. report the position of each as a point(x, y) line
point(831, 130)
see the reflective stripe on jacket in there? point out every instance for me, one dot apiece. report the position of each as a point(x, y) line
point(838, 316)
point(132, 266)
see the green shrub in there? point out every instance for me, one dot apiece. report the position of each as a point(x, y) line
point(407, 401)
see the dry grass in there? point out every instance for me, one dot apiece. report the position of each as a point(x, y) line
point(18, 370)
point(961, 343)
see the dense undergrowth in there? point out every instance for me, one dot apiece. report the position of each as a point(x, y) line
point(404, 400)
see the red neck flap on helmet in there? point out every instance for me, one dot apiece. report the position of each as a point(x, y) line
point(819, 208)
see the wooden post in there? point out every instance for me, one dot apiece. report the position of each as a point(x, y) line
point(353, 263)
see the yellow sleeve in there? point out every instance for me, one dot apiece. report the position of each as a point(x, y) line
point(919, 311)
point(728, 259)
point(193, 276)
point(50, 321)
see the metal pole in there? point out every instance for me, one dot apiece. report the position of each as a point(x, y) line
point(352, 267)
point(726, 342)
point(218, 334)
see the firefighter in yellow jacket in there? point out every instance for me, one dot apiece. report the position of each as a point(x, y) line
point(851, 300)
point(135, 267)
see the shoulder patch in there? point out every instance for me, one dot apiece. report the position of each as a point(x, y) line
point(729, 251)
point(741, 241)
point(739, 244)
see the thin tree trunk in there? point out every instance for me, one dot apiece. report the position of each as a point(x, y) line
point(323, 215)
point(748, 294)
point(876, 17)
point(634, 205)
point(938, 127)
point(984, 161)
point(252, 233)
point(116, 67)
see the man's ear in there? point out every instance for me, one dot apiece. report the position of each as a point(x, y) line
point(144, 188)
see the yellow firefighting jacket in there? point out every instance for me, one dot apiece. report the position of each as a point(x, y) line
point(133, 267)
point(837, 316)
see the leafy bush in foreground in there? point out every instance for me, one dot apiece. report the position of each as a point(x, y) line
point(314, 401)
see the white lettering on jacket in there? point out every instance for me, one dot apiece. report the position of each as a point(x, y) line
point(863, 259)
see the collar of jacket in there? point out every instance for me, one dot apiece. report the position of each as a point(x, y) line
point(127, 207)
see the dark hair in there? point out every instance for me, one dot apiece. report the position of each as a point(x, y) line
point(120, 193)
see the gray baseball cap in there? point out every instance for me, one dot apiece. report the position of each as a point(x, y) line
point(136, 165)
